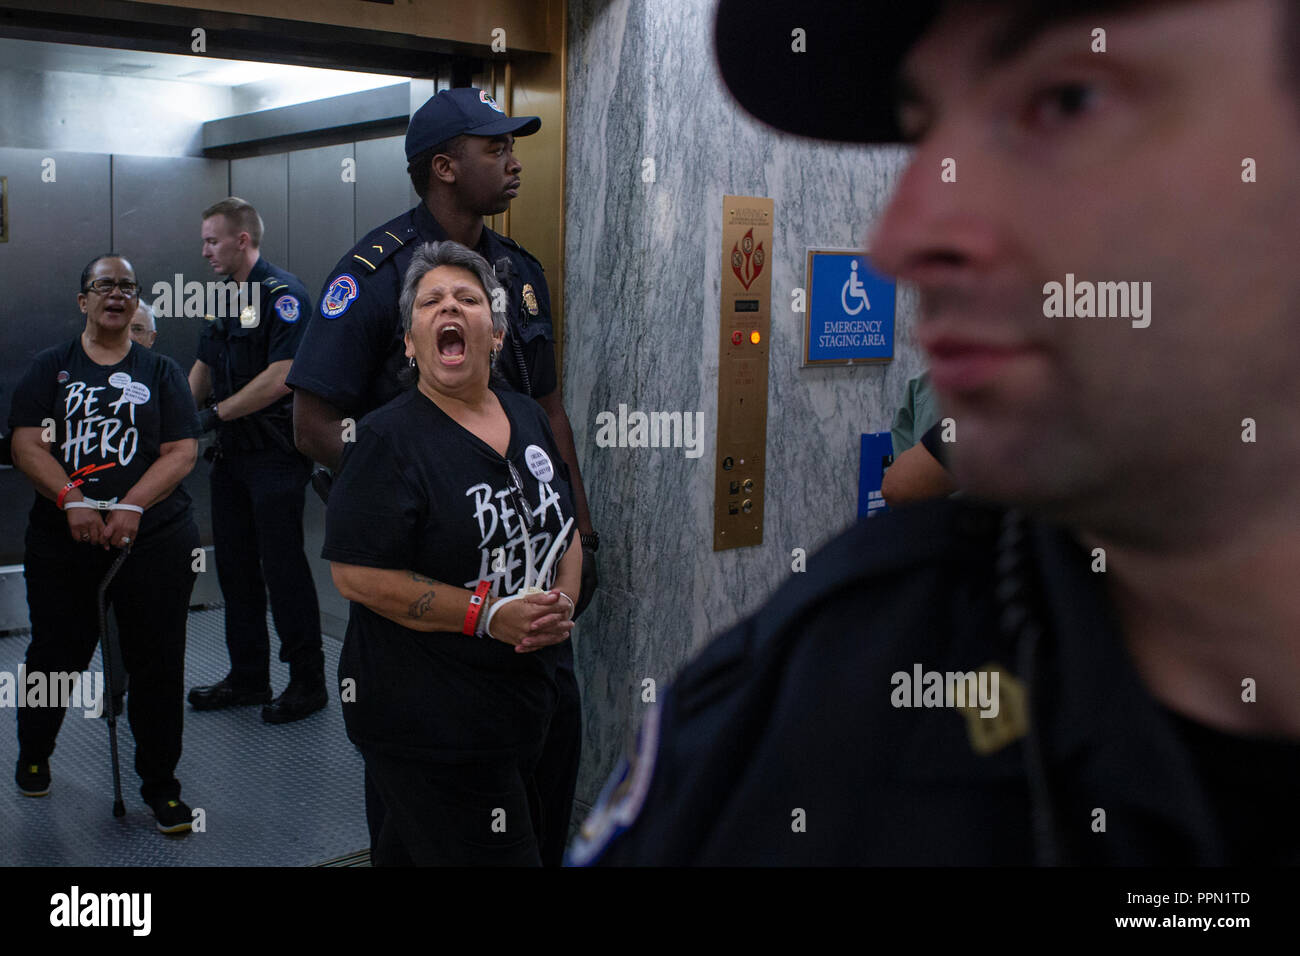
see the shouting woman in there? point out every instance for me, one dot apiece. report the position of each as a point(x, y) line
point(450, 529)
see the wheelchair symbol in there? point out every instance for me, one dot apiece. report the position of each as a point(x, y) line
point(854, 287)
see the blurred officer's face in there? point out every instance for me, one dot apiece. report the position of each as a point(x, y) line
point(487, 174)
point(103, 301)
point(142, 328)
point(1122, 166)
point(223, 246)
point(451, 337)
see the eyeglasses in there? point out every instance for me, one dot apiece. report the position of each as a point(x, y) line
point(105, 286)
point(522, 505)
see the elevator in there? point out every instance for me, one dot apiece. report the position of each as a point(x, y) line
point(92, 164)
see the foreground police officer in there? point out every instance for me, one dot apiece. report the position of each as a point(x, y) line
point(460, 152)
point(259, 479)
point(1143, 625)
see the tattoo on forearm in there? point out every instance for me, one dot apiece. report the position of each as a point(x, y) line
point(416, 576)
point(420, 605)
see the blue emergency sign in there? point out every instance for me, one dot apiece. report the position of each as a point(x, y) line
point(850, 310)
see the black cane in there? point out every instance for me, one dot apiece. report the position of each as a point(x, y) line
point(119, 808)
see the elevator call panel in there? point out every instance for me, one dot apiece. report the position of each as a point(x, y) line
point(744, 327)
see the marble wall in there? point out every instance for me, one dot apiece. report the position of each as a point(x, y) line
point(642, 288)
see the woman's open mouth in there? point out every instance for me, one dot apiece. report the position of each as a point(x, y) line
point(451, 344)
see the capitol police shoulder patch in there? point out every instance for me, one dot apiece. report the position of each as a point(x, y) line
point(621, 799)
point(338, 296)
point(286, 307)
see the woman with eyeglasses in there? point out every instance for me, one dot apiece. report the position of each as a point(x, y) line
point(450, 529)
point(105, 430)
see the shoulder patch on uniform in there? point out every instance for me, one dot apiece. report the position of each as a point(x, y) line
point(342, 290)
point(623, 795)
point(377, 245)
point(287, 307)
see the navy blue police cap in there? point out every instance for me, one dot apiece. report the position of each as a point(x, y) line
point(462, 110)
point(836, 81)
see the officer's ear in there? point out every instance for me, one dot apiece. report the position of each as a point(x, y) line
point(443, 168)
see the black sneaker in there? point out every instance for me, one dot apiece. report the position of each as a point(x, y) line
point(298, 700)
point(33, 779)
point(172, 816)
point(225, 694)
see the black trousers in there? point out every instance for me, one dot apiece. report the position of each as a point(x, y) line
point(150, 595)
point(257, 503)
point(484, 813)
point(555, 777)
point(557, 770)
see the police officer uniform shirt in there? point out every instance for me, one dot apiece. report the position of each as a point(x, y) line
point(804, 737)
point(417, 491)
point(353, 352)
point(110, 423)
point(238, 349)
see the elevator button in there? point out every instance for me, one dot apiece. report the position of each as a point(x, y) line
point(735, 488)
point(736, 338)
point(747, 506)
point(749, 484)
point(728, 464)
point(731, 508)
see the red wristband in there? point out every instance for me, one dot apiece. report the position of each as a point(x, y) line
point(64, 493)
point(475, 606)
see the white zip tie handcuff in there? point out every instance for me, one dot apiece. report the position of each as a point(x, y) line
point(105, 504)
point(531, 580)
point(109, 504)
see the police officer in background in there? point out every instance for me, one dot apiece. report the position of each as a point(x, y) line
point(259, 479)
point(460, 153)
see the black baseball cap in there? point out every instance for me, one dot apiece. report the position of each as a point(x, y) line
point(842, 87)
point(462, 110)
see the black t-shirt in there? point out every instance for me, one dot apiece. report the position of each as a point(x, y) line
point(417, 492)
point(1253, 785)
point(110, 421)
point(353, 351)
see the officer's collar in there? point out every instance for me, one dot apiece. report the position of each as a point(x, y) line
point(430, 230)
point(259, 271)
